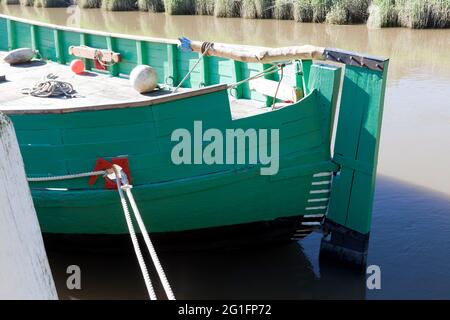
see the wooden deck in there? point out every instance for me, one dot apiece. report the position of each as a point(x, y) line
point(94, 91)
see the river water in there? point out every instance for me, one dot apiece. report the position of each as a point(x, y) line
point(411, 218)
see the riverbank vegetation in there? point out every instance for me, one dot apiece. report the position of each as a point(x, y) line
point(377, 13)
point(417, 14)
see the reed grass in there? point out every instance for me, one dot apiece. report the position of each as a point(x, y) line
point(303, 10)
point(150, 5)
point(204, 7)
point(89, 3)
point(348, 11)
point(176, 7)
point(417, 14)
point(52, 3)
point(338, 13)
point(227, 8)
point(28, 3)
point(261, 9)
point(119, 5)
point(320, 9)
point(311, 10)
point(283, 9)
point(382, 13)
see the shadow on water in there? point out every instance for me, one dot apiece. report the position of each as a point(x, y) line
point(278, 272)
point(409, 242)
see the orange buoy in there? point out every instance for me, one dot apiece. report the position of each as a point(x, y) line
point(77, 66)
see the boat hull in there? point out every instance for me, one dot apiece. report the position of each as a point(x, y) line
point(172, 197)
point(280, 230)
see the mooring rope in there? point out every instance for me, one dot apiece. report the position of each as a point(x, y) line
point(50, 87)
point(205, 47)
point(273, 69)
point(278, 86)
point(123, 185)
point(148, 242)
point(134, 240)
point(68, 176)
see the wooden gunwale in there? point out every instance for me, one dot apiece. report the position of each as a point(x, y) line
point(121, 105)
point(103, 33)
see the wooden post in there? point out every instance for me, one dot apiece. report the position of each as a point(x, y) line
point(358, 131)
point(24, 268)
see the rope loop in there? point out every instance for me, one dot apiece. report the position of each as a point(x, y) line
point(49, 86)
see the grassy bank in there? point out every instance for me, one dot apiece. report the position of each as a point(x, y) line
point(90, 3)
point(52, 3)
point(377, 13)
point(417, 14)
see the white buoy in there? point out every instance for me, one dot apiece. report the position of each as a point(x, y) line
point(143, 78)
point(20, 55)
point(24, 269)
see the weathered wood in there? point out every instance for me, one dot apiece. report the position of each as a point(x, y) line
point(10, 28)
point(95, 91)
point(24, 269)
point(269, 88)
point(91, 53)
point(260, 54)
point(326, 79)
point(356, 147)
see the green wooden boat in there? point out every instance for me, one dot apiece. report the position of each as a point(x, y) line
point(227, 201)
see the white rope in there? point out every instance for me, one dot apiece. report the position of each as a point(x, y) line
point(50, 87)
point(122, 184)
point(260, 74)
point(148, 242)
point(67, 176)
point(137, 249)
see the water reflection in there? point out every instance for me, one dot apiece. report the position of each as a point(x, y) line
point(409, 241)
point(277, 272)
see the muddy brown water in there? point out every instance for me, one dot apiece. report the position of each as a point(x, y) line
point(411, 218)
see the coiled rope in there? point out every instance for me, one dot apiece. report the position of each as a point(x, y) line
point(50, 87)
point(123, 185)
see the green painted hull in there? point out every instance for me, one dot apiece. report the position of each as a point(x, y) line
point(185, 197)
point(171, 197)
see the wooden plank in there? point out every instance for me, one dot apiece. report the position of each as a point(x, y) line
point(58, 46)
point(269, 88)
point(172, 64)
point(236, 75)
point(326, 80)
point(114, 57)
point(306, 67)
point(357, 143)
point(10, 30)
point(24, 269)
point(83, 43)
point(141, 55)
point(204, 71)
point(273, 76)
point(34, 44)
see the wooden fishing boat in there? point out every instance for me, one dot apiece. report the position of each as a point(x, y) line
point(109, 120)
